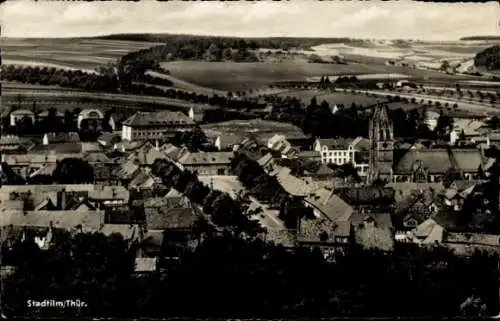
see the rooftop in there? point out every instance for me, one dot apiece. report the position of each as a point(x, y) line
point(162, 118)
point(204, 158)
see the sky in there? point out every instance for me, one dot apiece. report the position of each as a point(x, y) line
point(295, 18)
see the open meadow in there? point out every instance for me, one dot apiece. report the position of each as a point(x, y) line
point(336, 98)
point(66, 53)
point(258, 127)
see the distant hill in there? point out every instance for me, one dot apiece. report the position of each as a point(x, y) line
point(488, 58)
point(480, 38)
point(283, 43)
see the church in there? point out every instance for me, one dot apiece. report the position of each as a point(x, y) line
point(416, 164)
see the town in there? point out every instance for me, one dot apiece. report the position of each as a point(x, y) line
point(144, 195)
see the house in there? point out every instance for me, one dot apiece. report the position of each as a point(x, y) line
point(10, 143)
point(108, 139)
point(60, 138)
point(95, 196)
point(325, 203)
point(26, 164)
point(86, 221)
point(280, 144)
point(19, 115)
point(343, 151)
point(207, 163)
point(156, 125)
point(373, 230)
point(175, 218)
point(147, 157)
point(103, 168)
point(415, 208)
point(368, 199)
point(332, 238)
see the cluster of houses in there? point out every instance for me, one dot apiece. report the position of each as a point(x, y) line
point(414, 204)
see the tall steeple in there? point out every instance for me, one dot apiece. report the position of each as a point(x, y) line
point(381, 135)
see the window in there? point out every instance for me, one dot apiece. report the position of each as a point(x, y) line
point(221, 171)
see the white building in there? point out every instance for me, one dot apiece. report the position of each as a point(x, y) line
point(340, 151)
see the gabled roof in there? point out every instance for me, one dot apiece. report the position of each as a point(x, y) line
point(90, 221)
point(162, 118)
point(367, 195)
point(160, 218)
point(206, 158)
point(311, 231)
point(335, 143)
point(147, 157)
point(330, 205)
point(440, 160)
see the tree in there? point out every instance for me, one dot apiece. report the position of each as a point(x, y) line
point(73, 171)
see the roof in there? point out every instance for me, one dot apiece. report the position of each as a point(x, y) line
point(100, 158)
point(280, 237)
point(463, 184)
point(147, 157)
point(22, 112)
point(373, 237)
point(59, 148)
point(108, 138)
point(153, 241)
point(367, 195)
point(308, 154)
point(62, 137)
point(335, 143)
point(293, 185)
point(162, 118)
point(47, 169)
point(330, 205)
point(159, 218)
point(381, 220)
point(10, 140)
point(312, 230)
point(145, 264)
point(206, 158)
point(440, 160)
point(129, 232)
point(89, 220)
point(95, 192)
point(404, 189)
point(473, 238)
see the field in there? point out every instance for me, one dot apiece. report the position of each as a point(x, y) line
point(66, 53)
point(243, 76)
point(184, 85)
point(257, 127)
point(337, 98)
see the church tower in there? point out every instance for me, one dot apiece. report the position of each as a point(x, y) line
point(381, 135)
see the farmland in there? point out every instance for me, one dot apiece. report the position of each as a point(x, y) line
point(336, 98)
point(66, 53)
point(243, 76)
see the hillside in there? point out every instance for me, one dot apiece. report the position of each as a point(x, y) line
point(480, 38)
point(488, 58)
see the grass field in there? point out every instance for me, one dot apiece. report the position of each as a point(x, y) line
point(258, 127)
point(243, 76)
point(336, 98)
point(67, 53)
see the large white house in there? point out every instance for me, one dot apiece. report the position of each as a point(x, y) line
point(340, 151)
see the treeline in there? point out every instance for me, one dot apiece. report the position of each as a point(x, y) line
point(279, 43)
point(488, 58)
point(265, 188)
point(251, 278)
point(60, 77)
point(224, 211)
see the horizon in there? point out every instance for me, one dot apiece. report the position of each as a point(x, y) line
point(402, 20)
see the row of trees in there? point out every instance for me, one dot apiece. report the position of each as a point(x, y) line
point(252, 279)
point(60, 77)
point(224, 211)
